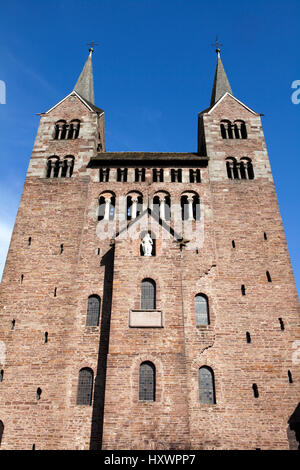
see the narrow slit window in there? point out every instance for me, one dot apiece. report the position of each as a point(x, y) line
point(13, 322)
point(22, 278)
point(46, 337)
point(255, 391)
point(61, 248)
point(55, 291)
point(243, 289)
point(281, 323)
point(1, 375)
point(268, 276)
point(233, 244)
point(1, 431)
point(29, 241)
point(248, 337)
point(38, 393)
point(265, 236)
point(290, 377)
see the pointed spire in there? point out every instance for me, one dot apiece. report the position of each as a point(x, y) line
point(85, 82)
point(221, 84)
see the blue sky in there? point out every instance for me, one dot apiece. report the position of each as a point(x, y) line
point(153, 71)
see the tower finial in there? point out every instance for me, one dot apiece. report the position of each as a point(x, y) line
point(85, 83)
point(221, 84)
point(91, 45)
point(217, 45)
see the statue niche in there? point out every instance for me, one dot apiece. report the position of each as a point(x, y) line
point(147, 245)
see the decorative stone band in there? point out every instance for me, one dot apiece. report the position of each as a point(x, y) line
point(145, 319)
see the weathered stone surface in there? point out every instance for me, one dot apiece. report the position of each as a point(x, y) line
point(64, 211)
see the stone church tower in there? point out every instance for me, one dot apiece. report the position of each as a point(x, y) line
point(148, 300)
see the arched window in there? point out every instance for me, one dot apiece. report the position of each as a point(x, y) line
point(206, 385)
point(232, 168)
point(93, 310)
point(226, 129)
point(106, 209)
point(74, 129)
point(195, 176)
point(101, 208)
point(147, 381)
point(190, 207)
point(148, 297)
point(85, 387)
point(201, 310)
point(134, 206)
point(1, 431)
point(158, 175)
point(122, 175)
point(52, 170)
point(139, 175)
point(104, 175)
point(67, 166)
point(240, 130)
point(60, 130)
point(246, 168)
point(162, 205)
point(176, 175)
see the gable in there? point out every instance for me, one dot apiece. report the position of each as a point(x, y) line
point(147, 221)
point(75, 102)
point(228, 103)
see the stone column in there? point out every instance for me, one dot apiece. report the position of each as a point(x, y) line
point(162, 208)
point(52, 171)
point(190, 209)
point(134, 207)
point(60, 131)
point(75, 126)
point(107, 208)
point(60, 168)
point(69, 166)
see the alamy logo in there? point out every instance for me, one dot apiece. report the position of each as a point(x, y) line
point(2, 92)
point(296, 94)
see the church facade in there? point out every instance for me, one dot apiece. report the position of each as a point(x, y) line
point(148, 299)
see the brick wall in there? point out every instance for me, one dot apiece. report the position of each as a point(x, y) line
point(60, 211)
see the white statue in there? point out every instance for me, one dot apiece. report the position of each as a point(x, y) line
point(147, 244)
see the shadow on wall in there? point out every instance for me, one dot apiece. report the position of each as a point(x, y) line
point(293, 431)
point(99, 389)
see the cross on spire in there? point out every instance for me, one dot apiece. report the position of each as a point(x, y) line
point(217, 45)
point(92, 44)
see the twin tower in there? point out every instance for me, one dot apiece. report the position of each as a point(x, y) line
point(148, 300)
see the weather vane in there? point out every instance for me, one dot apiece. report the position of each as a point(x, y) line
point(217, 45)
point(92, 44)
